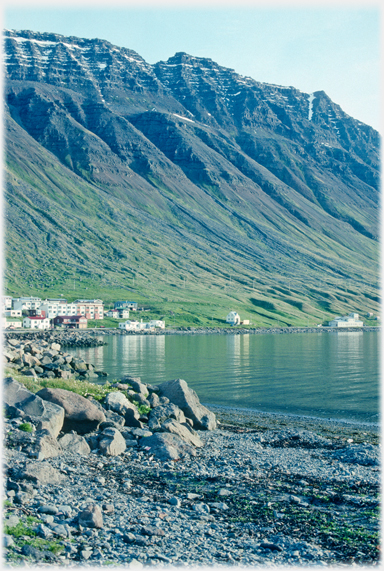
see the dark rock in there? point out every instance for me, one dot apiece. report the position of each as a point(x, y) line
point(80, 414)
point(161, 413)
point(151, 530)
point(33, 552)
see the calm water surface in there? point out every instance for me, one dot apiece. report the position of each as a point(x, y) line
point(323, 375)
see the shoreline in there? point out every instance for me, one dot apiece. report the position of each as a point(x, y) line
point(187, 331)
point(290, 415)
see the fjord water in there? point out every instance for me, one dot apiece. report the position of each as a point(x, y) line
point(326, 375)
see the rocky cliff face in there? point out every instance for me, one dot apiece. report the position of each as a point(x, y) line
point(115, 164)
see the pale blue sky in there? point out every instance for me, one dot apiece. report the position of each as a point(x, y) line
point(323, 48)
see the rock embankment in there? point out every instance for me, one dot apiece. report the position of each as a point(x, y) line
point(72, 338)
point(165, 416)
point(44, 359)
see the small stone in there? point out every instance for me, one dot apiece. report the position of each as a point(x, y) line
point(59, 530)
point(91, 516)
point(224, 492)
point(135, 564)
point(175, 502)
point(8, 541)
point(85, 553)
point(43, 531)
point(12, 521)
point(129, 537)
point(108, 508)
point(152, 530)
point(191, 496)
point(201, 508)
point(271, 546)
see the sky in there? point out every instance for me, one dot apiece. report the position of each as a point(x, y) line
point(334, 47)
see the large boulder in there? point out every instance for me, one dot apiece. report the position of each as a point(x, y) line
point(118, 402)
point(166, 446)
point(42, 473)
point(188, 435)
point(45, 446)
point(91, 516)
point(138, 386)
point(15, 392)
point(46, 415)
point(111, 442)
point(81, 415)
point(179, 393)
point(161, 413)
point(73, 443)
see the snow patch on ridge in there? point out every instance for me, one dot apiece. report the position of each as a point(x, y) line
point(181, 117)
point(311, 97)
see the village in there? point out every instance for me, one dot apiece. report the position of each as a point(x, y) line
point(36, 313)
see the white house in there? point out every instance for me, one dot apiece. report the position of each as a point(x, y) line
point(132, 325)
point(6, 302)
point(351, 320)
point(157, 324)
point(37, 322)
point(140, 326)
point(126, 305)
point(12, 313)
point(113, 313)
point(9, 323)
point(26, 303)
point(233, 318)
point(55, 307)
point(123, 313)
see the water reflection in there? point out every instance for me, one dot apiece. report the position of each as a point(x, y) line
point(327, 374)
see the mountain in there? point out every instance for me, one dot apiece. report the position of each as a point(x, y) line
point(184, 182)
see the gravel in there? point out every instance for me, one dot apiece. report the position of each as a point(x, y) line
point(258, 493)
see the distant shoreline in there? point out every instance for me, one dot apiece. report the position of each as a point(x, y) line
point(189, 331)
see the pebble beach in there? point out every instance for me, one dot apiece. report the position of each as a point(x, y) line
point(264, 490)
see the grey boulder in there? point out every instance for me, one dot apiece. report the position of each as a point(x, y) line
point(180, 394)
point(80, 414)
point(45, 446)
point(91, 516)
point(161, 413)
point(73, 443)
point(118, 402)
point(185, 433)
point(47, 416)
point(166, 446)
point(42, 472)
point(111, 442)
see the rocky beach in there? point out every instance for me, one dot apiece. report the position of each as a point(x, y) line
point(133, 474)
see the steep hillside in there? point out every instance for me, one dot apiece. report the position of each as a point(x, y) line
point(184, 182)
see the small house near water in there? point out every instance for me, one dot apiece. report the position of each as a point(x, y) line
point(233, 318)
point(351, 320)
